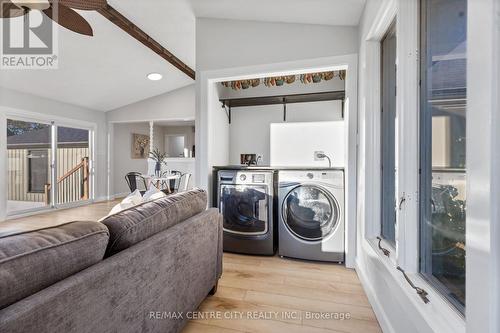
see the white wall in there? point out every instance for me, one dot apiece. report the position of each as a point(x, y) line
point(249, 131)
point(225, 44)
point(13, 101)
point(175, 105)
point(218, 142)
point(297, 144)
point(231, 43)
point(122, 152)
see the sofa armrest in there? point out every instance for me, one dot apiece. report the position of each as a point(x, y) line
point(220, 250)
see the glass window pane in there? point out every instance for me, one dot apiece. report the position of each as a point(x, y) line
point(28, 147)
point(72, 159)
point(443, 137)
point(38, 170)
point(388, 136)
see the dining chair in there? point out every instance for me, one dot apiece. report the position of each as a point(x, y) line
point(174, 183)
point(169, 187)
point(184, 182)
point(134, 179)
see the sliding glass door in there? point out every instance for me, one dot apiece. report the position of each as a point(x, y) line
point(28, 171)
point(72, 165)
point(48, 165)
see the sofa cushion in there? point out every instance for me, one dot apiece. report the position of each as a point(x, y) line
point(152, 194)
point(136, 224)
point(33, 260)
point(133, 199)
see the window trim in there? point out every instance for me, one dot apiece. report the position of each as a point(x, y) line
point(373, 103)
point(407, 136)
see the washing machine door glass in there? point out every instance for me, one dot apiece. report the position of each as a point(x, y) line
point(310, 212)
point(244, 209)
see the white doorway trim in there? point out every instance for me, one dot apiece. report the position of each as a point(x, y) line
point(208, 154)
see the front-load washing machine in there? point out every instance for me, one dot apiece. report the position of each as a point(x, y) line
point(311, 214)
point(246, 199)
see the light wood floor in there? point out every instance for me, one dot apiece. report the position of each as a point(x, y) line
point(54, 217)
point(287, 292)
point(275, 287)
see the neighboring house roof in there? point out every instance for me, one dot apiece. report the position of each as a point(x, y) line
point(41, 138)
point(449, 73)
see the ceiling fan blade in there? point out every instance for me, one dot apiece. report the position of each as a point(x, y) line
point(70, 19)
point(8, 10)
point(32, 4)
point(83, 4)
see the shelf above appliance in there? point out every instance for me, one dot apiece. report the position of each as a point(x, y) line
point(282, 99)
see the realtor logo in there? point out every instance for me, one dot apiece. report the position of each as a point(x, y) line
point(29, 38)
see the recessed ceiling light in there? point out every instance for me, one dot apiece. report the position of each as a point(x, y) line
point(155, 76)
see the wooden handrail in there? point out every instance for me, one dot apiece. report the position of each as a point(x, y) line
point(72, 171)
point(83, 164)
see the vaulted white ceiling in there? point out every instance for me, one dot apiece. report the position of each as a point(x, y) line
point(327, 12)
point(109, 70)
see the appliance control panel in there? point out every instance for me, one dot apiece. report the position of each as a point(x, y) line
point(336, 177)
point(245, 177)
point(259, 178)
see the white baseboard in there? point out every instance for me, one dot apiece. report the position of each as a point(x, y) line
point(381, 315)
point(112, 197)
point(120, 195)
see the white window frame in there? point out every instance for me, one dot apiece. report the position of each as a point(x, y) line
point(483, 165)
point(440, 314)
point(373, 204)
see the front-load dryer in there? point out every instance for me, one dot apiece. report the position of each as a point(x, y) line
point(311, 214)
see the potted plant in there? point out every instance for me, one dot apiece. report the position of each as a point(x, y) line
point(159, 158)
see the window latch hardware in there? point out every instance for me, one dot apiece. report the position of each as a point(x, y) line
point(386, 252)
point(421, 292)
point(401, 201)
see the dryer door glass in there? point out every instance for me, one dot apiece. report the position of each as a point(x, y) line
point(310, 212)
point(245, 209)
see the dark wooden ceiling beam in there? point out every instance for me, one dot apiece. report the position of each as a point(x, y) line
point(133, 30)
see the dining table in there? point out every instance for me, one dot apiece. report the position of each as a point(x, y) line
point(157, 181)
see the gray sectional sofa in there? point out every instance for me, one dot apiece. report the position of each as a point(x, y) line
point(126, 274)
